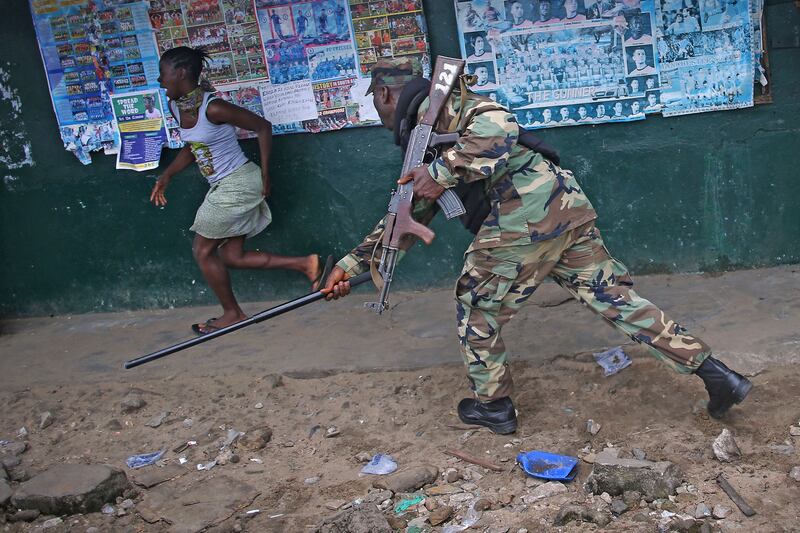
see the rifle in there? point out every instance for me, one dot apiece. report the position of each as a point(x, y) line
point(259, 317)
point(399, 221)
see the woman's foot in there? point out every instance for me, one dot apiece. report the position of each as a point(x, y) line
point(214, 324)
point(313, 269)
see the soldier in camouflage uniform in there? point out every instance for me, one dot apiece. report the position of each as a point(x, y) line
point(541, 224)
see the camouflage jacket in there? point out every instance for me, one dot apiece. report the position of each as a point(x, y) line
point(531, 198)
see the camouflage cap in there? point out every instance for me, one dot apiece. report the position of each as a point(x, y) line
point(394, 71)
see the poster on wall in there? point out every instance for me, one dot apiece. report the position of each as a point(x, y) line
point(140, 118)
point(706, 52)
point(559, 63)
point(571, 62)
point(91, 50)
point(226, 29)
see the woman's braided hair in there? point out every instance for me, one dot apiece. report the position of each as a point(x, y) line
point(191, 59)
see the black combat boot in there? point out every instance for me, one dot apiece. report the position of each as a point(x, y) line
point(725, 387)
point(498, 415)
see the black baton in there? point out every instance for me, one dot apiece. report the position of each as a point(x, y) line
point(255, 319)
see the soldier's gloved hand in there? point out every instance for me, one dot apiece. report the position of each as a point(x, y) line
point(336, 286)
point(424, 185)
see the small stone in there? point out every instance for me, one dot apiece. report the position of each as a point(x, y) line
point(18, 473)
point(606, 497)
point(46, 420)
point(440, 490)
point(255, 439)
point(25, 515)
point(639, 454)
point(224, 457)
point(469, 487)
point(5, 493)
point(132, 402)
point(92, 530)
point(408, 479)
point(332, 431)
point(532, 482)
point(108, 509)
point(127, 504)
point(472, 474)
point(725, 447)
point(593, 427)
point(359, 518)
point(113, 425)
point(288, 444)
point(157, 420)
point(237, 528)
point(571, 512)
point(451, 475)
point(618, 506)
point(259, 405)
point(363, 457)
point(784, 449)
point(482, 505)
point(794, 473)
point(377, 496)
point(187, 422)
point(396, 523)
point(311, 480)
point(273, 381)
point(440, 515)
point(631, 497)
point(794, 431)
point(335, 505)
point(548, 490)
point(53, 522)
point(720, 512)
point(22, 433)
point(12, 448)
point(461, 497)
point(702, 511)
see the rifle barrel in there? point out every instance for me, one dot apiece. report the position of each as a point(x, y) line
point(259, 317)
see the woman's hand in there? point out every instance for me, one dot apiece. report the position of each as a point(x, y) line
point(157, 194)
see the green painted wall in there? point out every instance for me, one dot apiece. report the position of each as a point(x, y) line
point(703, 192)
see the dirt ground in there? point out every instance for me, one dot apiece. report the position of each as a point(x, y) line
point(391, 385)
point(411, 415)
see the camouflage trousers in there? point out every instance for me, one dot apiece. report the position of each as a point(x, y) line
point(496, 282)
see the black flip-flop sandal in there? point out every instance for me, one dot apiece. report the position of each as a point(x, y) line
point(197, 327)
point(323, 276)
point(204, 329)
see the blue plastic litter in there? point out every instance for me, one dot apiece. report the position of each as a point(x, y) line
point(138, 461)
point(380, 464)
point(547, 465)
point(612, 360)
